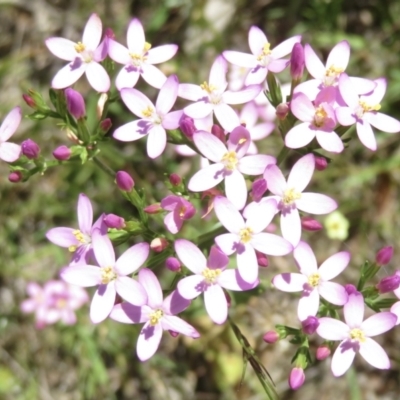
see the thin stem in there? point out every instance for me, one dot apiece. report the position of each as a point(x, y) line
point(104, 167)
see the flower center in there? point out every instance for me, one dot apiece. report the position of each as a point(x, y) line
point(320, 116)
point(138, 59)
point(245, 235)
point(208, 88)
point(79, 47)
point(266, 51)
point(290, 196)
point(230, 160)
point(61, 303)
point(313, 280)
point(81, 238)
point(211, 275)
point(357, 334)
point(331, 75)
point(155, 317)
point(147, 112)
point(107, 274)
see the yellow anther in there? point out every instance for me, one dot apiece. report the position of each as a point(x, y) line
point(313, 280)
point(230, 160)
point(80, 237)
point(208, 88)
point(148, 112)
point(211, 275)
point(61, 303)
point(368, 107)
point(107, 274)
point(266, 51)
point(242, 140)
point(79, 47)
point(290, 196)
point(155, 317)
point(146, 47)
point(245, 235)
point(182, 211)
point(333, 71)
point(357, 334)
point(320, 116)
point(72, 249)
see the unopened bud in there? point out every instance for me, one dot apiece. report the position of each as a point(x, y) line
point(15, 177)
point(228, 298)
point(105, 125)
point(310, 224)
point(320, 163)
point(62, 153)
point(282, 110)
point(350, 289)
point(153, 208)
point(124, 181)
point(109, 33)
point(173, 333)
point(322, 353)
point(175, 179)
point(75, 103)
point(296, 378)
point(271, 337)
point(262, 259)
point(186, 125)
point(217, 131)
point(384, 255)
point(29, 101)
point(388, 284)
point(297, 62)
point(114, 221)
point(258, 189)
point(173, 264)
point(310, 325)
point(159, 244)
point(30, 149)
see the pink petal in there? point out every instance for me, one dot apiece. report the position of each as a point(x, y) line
point(191, 286)
point(345, 116)
point(10, 124)
point(126, 78)
point(217, 73)
point(270, 244)
point(174, 303)
point(315, 203)
point(333, 293)
point(227, 242)
point(228, 214)
point(247, 264)
point(132, 259)
point(302, 107)
point(62, 237)
point(226, 116)
point(81, 275)
point(128, 314)
point(132, 130)
point(301, 173)
point(103, 249)
point(354, 310)
point(244, 60)
point(330, 141)
point(171, 120)
point(343, 358)
point(217, 259)
point(102, 302)
point(191, 92)
point(148, 341)
point(236, 189)
point(260, 215)
point(190, 255)
point(215, 304)
point(207, 178)
point(156, 141)
point(131, 290)
point(395, 309)
point(118, 53)
point(161, 53)
point(313, 63)
point(383, 122)
point(261, 131)
point(177, 324)
point(377, 95)
point(85, 214)
point(242, 96)
point(256, 164)
point(378, 323)
point(289, 282)
point(256, 76)
point(136, 101)
point(366, 134)
point(62, 48)
point(135, 36)
point(230, 279)
point(9, 152)
point(374, 354)
point(362, 85)
point(339, 56)
point(152, 287)
point(291, 226)
point(153, 76)
point(334, 265)
point(332, 329)
point(347, 91)
point(310, 88)
point(167, 95)
point(257, 40)
point(286, 47)
point(276, 182)
point(308, 304)
point(299, 136)
point(173, 222)
point(92, 33)
point(209, 145)
point(67, 76)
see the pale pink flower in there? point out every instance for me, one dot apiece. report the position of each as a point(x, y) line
point(212, 97)
point(230, 164)
point(157, 315)
point(56, 301)
point(355, 335)
point(111, 277)
point(395, 309)
point(79, 241)
point(84, 57)
point(245, 238)
point(181, 210)
point(318, 120)
point(154, 119)
point(313, 281)
point(210, 277)
point(263, 58)
point(139, 57)
point(363, 111)
point(9, 152)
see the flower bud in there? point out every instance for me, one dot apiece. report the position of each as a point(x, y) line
point(173, 264)
point(153, 208)
point(159, 244)
point(109, 33)
point(384, 255)
point(15, 176)
point(173, 333)
point(217, 131)
point(297, 62)
point(124, 181)
point(296, 378)
point(323, 352)
point(321, 163)
point(29, 101)
point(310, 224)
point(258, 189)
point(271, 337)
point(310, 325)
point(114, 221)
point(105, 125)
point(30, 149)
point(62, 153)
point(388, 284)
point(228, 298)
point(262, 259)
point(175, 179)
point(75, 103)
point(350, 289)
point(282, 110)
point(186, 125)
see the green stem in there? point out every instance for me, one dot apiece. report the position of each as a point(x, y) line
point(282, 155)
point(104, 167)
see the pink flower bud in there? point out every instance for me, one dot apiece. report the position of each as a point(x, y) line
point(258, 189)
point(114, 221)
point(124, 181)
point(282, 110)
point(384, 255)
point(321, 163)
point(30, 149)
point(186, 125)
point(388, 284)
point(29, 101)
point(217, 131)
point(105, 125)
point(15, 176)
point(173, 264)
point(173, 333)
point(75, 103)
point(271, 337)
point(323, 352)
point(62, 153)
point(109, 33)
point(296, 378)
point(175, 179)
point(153, 208)
point(228, 298)
point(159, 244)
point(310, 325)
point(262, 259)
point(310, 224)
point(297, 62)
point(350, 289)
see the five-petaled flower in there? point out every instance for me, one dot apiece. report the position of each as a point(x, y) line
point(181, 210)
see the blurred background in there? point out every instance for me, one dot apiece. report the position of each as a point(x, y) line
point(99, 362)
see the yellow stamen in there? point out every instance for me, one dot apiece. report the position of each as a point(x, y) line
point(357, 334)
point(320, 116)
point(147, 112)
point(79, 47)
point(313, 280)
point(182, 211)
point(155, 317)
point(368, 107)
point(107, 275)
point(290, 196)
point(211, 275)
point(72, 249)
point(230, 160)
point(80, 237)
point(266, 51)
point(242, 140)
point(208, 88)
point(147, 47)
point(245, 235)
point(333, 71)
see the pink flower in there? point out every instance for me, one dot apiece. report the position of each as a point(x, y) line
point(245, 238)
point(314, 281)
point(57, 300)
point(111, 278)
point(210, 277)
point(158, 315)
point(355, 335)
point(9, 152)
point(181, 210)
point(212, 96)
point(79, 241)
point(84, 57)
point(264, 58)
point(230, 163)
point(154, 119)
point(318, 120)
point(363, 111)
point(139, 57)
